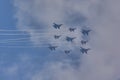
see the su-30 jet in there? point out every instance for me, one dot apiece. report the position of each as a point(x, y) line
point(83, 50)
point(85, 32)
point(52, 48)
point(57, 36)
point(72, 29)
point(70, 39)
point(57, 26)
point(83, 42)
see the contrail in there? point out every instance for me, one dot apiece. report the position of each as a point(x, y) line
point(22, 30)
point(13, 34)
point(24, 34)
point(15, 39)
point(22, 46)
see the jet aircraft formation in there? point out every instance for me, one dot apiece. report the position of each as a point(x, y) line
point(85, 32)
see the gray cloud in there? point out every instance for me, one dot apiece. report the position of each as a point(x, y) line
point(102, 63)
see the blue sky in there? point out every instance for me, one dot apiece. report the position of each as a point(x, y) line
point(32, 20)
point(12, 56)
point(20, 63)
point(6, 14)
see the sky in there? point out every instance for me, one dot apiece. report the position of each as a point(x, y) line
point(26, 30)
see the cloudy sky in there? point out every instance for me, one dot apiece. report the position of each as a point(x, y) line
point(26, 29)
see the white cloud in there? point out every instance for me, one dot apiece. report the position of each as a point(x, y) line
point(103, 16)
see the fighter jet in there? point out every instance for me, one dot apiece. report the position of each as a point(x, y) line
point(83, 50)
point(67, 51)
point(83, 42)
point(57, 36)
point(57, 26)
point(85, 32)
point(72, 29)
point(70, 39)
point(52, 48)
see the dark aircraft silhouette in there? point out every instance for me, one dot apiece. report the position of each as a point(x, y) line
point(57, 36)
point(70, 39)
point(85, 32)
point(57, 26)
point(83, 42)
point(52, 47)
point(67, 51)
point(83, 50)
point(72, 29)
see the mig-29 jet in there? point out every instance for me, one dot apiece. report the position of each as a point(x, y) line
point(70, 39)
point(85, 32)
point(83, 50)
point(72, 29)
point(52, 47)
point(57, 26)
point(57, 36)
point(83, 42)
point(67, 51)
